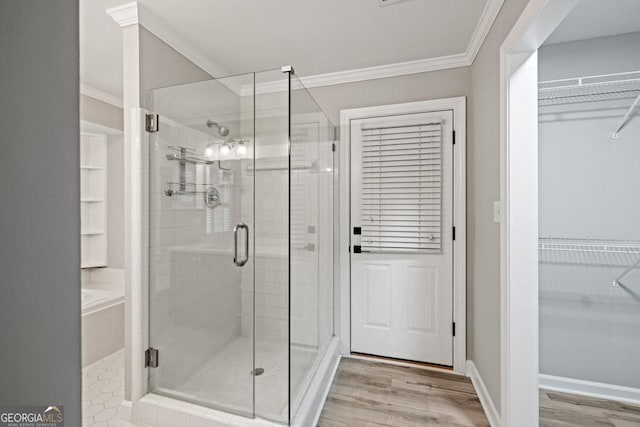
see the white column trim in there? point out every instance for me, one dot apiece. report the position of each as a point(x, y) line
point(518, 320)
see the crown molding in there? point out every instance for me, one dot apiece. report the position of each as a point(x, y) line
point(487, 18)
point(126, 14)
point(100, 95)
point(389, 70)
point(135, 13)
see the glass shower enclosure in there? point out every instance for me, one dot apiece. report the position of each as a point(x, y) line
point(240, 221)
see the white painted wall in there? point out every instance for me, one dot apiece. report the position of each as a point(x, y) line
point(588, 183)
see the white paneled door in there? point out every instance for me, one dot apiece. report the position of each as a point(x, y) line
point(402, 237)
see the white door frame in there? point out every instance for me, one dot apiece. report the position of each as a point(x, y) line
point(519, 210)
point(343, 300)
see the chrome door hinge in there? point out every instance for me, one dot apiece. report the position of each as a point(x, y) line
point(151, 122)
point(454, 137)
point(454, 329)
point(151, 358)
point(454, 233)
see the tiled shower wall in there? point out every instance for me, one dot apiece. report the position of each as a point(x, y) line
point(194, 294)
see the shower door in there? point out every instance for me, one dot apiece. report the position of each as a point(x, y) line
point(201, 230)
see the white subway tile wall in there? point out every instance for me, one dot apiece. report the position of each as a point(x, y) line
point(195, 298)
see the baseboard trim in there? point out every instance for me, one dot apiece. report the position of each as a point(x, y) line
point(590, 388)
point(485, 398)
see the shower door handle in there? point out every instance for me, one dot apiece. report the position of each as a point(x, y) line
point(237, 228)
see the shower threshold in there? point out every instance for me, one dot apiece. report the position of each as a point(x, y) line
point(153, 407)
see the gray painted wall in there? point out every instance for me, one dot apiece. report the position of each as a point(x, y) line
point(162, 66)
point(483, 186)
point(40, 214)
point(96, 111)
point(392, 90)
point(589, 329)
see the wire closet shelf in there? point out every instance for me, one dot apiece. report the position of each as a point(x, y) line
point(589, 245)
point(593, 88)
point(626, 251)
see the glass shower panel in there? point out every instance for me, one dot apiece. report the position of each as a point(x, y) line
point(311, 241)
point(201, 225)
point(271, 175)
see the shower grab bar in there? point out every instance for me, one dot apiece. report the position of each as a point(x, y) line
point(616, 281)
point(237, 228)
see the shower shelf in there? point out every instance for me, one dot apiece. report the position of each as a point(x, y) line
point(589, 245)
point(309, 166)
point(189, 159)
point(171, 192)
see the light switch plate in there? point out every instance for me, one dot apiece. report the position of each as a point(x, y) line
point(497, 212)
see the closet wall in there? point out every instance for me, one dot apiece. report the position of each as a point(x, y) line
point(589, 219)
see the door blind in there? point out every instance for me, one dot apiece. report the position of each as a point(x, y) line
point(401, 188)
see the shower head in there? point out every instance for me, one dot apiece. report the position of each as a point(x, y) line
point(222, 130)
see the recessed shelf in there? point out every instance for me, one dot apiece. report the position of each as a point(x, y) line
point(93, 195)
point(92, 265)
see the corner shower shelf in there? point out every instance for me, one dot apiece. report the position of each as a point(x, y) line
point(93, 193)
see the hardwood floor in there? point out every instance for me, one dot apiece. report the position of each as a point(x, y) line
point(371, 393)
point(561, 409)
point(374, 393)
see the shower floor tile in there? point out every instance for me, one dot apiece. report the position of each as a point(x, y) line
point(225, 381)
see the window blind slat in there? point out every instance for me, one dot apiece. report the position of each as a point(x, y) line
point(401, 188)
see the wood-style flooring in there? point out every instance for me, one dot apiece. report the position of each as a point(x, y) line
point(374, 393)
point(371, 393)
point(561, 409)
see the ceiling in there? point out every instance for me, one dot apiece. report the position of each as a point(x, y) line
point(316, 36)
point(598, 18)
